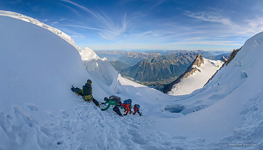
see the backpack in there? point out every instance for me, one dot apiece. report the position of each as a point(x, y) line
point(87, 89)
point(128, 101)
point(116, 98)
point(137, 105)
point(76, 90)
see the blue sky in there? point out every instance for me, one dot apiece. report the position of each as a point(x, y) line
point(148, 24)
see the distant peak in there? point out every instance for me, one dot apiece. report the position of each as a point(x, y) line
point(198, 60)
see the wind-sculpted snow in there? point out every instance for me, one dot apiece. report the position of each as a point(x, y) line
point(39, 111)
point(102, 70)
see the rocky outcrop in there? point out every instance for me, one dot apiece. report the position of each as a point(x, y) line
point(232, 56)
point(191, 69)
point(199, 60)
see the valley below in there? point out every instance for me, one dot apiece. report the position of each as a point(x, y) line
point(156, 68)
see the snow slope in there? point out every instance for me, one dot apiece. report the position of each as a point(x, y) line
point(232, 101)
point(198, 79)
point(41, 24)
point(38, 110)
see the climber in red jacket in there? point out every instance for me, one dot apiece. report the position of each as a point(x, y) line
point(136, 109)
point(126, 107)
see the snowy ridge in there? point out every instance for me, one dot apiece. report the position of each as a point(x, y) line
point(198, 79)
point(41, 24)
point(38, 110)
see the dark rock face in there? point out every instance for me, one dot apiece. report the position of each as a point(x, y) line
point(232, 56)
point(199, 60)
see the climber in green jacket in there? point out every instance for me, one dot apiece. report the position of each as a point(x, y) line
point(113, 101)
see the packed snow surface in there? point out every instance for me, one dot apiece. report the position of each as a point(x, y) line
point(39, 111)
point(198, 79)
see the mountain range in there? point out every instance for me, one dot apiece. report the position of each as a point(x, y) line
point(132, 58)
point(39, 111)
point(160, 70)
point(152, 67)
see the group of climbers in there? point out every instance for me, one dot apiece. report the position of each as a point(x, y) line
point(113, 100)
point(127, 105)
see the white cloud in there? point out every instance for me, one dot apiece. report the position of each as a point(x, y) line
point(158, 3)
point(241, 28)
point(72, 9)
point(211, 17)
point(85, 27)
point(254, 26)
point(207, 43)
point(155, 34)
point(163, 46)
point(53, 23)
point(145, 33)
point(82, 7)
point(109, 29)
